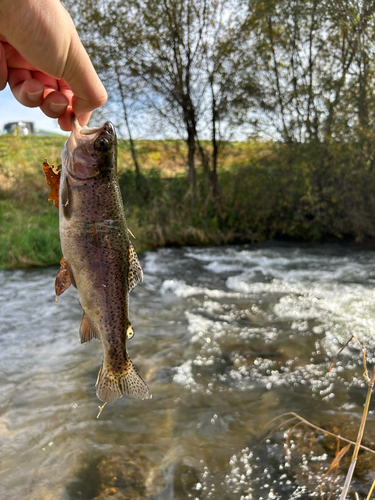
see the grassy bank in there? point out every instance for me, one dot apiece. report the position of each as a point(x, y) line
point(300, 192)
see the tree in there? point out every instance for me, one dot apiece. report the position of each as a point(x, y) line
point(168, 63)
point(305, 54)
point(96, 22)
point(171, 57)
point(290, 70)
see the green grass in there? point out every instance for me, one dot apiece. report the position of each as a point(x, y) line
point(300, 191)
point(28, 235)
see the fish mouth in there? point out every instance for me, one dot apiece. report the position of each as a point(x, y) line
point(80, 134)
point(83, 151)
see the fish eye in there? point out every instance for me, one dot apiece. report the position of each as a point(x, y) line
point(101, 144)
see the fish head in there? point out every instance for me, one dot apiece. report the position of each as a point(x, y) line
point(90, 152)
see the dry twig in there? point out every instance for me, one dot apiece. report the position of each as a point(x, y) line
point(371, 490)
point(101, 408)
point(359, 438)
point(310, 424)
point(370, 384)
point(357, 444)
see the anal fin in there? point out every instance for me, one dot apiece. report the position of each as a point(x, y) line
point(135, 274)
point(87, 331)
point(63, 280)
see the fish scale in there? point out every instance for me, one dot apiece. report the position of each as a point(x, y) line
point(98, 257)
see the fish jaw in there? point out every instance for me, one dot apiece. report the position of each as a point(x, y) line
point(90, 152)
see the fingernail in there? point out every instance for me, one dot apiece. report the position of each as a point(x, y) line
point(35, 96)
point(57, 107)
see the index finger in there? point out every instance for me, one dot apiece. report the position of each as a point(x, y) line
point(3, 68)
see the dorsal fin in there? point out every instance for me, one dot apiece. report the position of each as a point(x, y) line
point(135, 274)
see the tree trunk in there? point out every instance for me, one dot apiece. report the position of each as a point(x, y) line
point(312, 132)
point(285, 131)
point(132, 145)
point(347, 56)
point(191, 153)
point(214, 142)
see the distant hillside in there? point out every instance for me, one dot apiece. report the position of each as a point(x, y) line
point(266, 190)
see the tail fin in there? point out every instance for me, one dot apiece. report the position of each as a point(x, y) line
point(111, 386)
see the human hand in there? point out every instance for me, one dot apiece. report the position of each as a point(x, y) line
point(45, 63)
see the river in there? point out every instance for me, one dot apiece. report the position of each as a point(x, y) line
point(227, 339)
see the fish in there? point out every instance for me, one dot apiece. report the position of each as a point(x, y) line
point(99, 259)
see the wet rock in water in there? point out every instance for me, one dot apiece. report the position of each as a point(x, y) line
point(121, 479)
point(348, 428)
point(116, 475)
point(186, 479)
point(304, 458)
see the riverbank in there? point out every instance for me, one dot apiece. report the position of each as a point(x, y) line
point(297, 192)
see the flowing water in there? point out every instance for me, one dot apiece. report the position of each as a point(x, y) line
point(228, 339)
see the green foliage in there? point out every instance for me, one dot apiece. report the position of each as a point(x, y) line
point(295, 71)
point(305, 192)
point(292, 70)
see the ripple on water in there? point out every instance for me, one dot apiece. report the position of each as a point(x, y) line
point(228, 338)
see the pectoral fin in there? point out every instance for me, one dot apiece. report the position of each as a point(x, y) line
point(87, 331)
point(135, 275)
point(62, 281)
point(65, 198)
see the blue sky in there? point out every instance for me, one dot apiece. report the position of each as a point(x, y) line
point(12, 111)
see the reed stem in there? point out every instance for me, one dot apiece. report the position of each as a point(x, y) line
point(359, 438)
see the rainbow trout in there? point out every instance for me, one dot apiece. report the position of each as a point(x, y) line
point(99, 259)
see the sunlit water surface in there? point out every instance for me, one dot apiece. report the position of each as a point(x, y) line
point(228, 339)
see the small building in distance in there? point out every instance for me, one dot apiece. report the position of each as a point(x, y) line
point(19, 128)
point(27, 128)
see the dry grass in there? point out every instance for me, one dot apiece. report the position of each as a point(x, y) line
point(332, 472)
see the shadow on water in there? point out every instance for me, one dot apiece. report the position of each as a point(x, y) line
point(119, 475)
point(87, 483)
